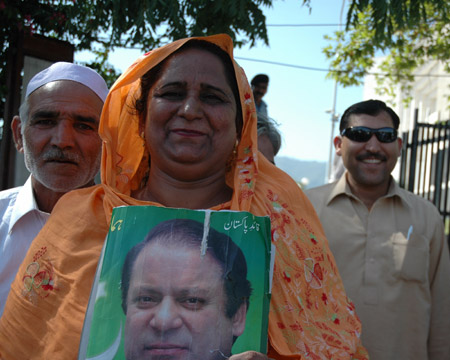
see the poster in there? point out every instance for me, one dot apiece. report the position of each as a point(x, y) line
point(180, 284)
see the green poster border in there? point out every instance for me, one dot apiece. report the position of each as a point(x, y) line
point(129, 226)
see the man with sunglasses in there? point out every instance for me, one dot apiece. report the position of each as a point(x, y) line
point(388, 243)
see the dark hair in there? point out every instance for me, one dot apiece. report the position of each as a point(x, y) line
point(260, 78)
point(368, 107)
point(186, 232)
point(267, 127)
point(151, 76)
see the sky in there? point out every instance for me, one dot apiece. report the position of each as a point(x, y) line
point(297, 99)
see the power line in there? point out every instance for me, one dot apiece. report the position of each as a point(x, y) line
point(330, 70)
point(267, 25)
point(282, 64)
point(307, 67)
point(302, 25)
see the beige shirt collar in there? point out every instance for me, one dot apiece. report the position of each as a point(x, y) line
point(342, 188)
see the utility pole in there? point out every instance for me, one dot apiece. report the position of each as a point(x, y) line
point(334, 116)
point(334, 119)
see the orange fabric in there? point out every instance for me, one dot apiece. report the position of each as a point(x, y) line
point(310, 316)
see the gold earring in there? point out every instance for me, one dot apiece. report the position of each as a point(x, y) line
point(233, 156)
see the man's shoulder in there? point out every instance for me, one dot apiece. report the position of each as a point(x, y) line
point(320, 196)
point(320, 193)
point(322, 188)
point(10, 192)
point(9, 195)
point(7, 201)
point(416, 201)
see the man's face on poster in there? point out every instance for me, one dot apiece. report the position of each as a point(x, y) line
point(176, 306)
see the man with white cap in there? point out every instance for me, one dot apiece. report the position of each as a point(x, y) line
point(57, 133)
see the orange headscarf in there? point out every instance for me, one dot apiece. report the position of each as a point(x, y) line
point(310, 316)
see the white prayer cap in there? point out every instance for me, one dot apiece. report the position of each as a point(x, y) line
point(68, 71)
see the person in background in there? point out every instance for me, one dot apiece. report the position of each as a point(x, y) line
point(269, 138)
point(388, 243)
point(260, 83)
point(179, 131)
point(56, 130)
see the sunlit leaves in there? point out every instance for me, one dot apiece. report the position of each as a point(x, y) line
point(102, 25)
point(406, 33)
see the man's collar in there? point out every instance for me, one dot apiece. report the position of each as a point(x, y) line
point(340, 188)
point(396, 190)
point(343, 188)
point(25, 203)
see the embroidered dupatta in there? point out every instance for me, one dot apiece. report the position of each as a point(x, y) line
point(310, 315)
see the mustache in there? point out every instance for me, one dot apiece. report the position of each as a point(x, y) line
point(371, 155)
point(56, 154)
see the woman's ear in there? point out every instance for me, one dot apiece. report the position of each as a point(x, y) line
point(142, 125)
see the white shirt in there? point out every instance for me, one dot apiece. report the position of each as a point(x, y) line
point(21, 221)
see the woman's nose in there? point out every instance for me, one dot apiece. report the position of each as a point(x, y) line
point(166, 316)
point(191, 108)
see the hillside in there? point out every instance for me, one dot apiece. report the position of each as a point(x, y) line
point(314, 171)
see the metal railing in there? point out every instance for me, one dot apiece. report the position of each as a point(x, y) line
point(425, 165)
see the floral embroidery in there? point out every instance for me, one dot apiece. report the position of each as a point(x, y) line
point(286, 277)
point(247, 99)
point(313, 273)
point(306, 351)
point(280, 217)
point(351, 307)
point(40, 253)
point(38, 280)
point(296, 327)
point(307, 226)
point(245, 194)
point(122, 177)
point(248, 160)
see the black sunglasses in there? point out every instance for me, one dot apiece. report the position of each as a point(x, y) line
point(363, 134)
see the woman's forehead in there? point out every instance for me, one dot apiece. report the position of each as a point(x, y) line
point(194, 62)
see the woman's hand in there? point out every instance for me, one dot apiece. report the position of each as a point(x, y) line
point(249, 355)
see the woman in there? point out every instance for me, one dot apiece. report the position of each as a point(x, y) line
point(179, 130)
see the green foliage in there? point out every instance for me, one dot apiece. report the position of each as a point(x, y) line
point(106, 24)
point(387, 17)
point(103, 67)
point(406, 32)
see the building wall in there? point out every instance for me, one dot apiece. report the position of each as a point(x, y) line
point(429, 95)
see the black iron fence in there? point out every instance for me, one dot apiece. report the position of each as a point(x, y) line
point(425, 164)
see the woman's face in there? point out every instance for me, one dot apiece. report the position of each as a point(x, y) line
point(191, 117)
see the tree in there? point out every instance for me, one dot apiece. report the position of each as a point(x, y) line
point(407, 32)
point(105, 24)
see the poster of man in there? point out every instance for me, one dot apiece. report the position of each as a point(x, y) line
point(181, 302)
point(193, 285)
